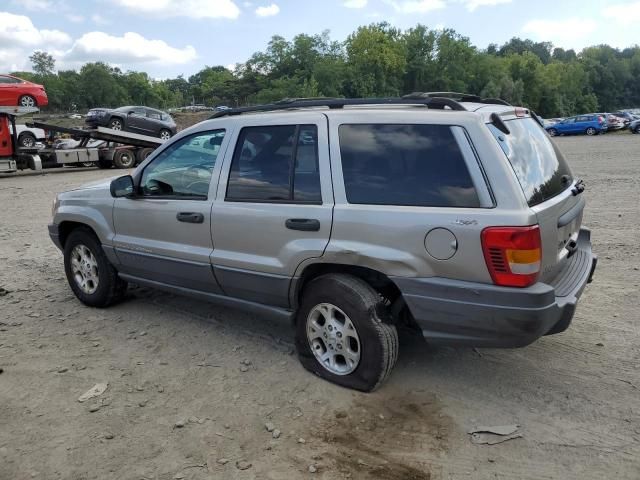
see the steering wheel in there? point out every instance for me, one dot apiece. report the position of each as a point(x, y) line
point(191, 185)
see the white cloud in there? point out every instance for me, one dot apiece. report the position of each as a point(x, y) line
point(99, 19)
point(129, 49)
point(355, 3)
point(569, 33)
point(183, 8)
point(473, 4)
point(269, 11)
point(72, 17)
point(625, 14)
point(34, 5)
point(418, 6)
point(18, 30)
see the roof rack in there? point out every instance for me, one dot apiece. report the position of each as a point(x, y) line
point(337, 103)
point(460, 97)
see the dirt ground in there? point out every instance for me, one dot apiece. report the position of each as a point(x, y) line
point(192, 385)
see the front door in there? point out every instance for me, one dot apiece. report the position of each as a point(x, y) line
point(274, 206)
point(163, 234)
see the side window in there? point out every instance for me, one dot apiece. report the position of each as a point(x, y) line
point(570, 120)
point(413, 165)
point(583, 118)
point(276, 164)
point(153, 114)
point(183, 169)
point(138, 112)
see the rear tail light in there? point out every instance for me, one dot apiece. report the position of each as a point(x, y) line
point(513, 255)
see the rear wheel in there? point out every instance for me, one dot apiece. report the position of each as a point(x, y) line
point(27, 140)
point(124, 158)
point(591, 131)
point(341, 334)
point(553, 132)
point(27, 101)
point(142, 154)
point(115, 124)
point(90, 274)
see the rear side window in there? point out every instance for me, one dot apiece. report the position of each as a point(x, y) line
point(413, 165)
point(539, 165)
point(276, 164)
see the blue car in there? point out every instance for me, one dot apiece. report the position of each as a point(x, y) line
point(580, 124)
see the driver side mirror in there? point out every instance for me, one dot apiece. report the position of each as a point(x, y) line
point(122, 187)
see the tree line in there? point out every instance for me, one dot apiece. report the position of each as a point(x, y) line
point(376, 60)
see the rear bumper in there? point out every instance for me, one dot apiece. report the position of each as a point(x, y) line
point(455, 312)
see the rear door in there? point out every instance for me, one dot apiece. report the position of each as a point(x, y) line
point(164, 233)
point(274, 206)
point(547, 183)
point(137, 120)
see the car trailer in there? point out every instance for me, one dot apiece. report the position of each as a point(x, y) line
point(120, 149)
point(12, 157)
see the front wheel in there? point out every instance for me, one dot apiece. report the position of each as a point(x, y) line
point(552, 132)
point(591, 131)
point(115, 124)
point(343, 332)
point(90, 274)
point(165, 134)
point(637, 129)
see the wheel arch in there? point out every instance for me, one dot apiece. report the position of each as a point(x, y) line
point(379, 281)
point(67, 226)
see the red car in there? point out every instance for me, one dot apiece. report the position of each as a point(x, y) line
point(15, 91)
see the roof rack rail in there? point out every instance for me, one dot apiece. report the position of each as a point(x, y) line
point(337, 103)
point(460, 97)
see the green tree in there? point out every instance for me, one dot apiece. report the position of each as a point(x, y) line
point(43, 64)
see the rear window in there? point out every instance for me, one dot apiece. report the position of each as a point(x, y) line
point(536, 160)
point(413, 165)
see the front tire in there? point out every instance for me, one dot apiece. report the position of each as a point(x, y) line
point(553, 132)
point(27, 101)
point(91, 276)
point(341, 334)
point(115, 124)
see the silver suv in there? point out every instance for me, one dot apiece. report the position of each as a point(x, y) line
point(456, 216)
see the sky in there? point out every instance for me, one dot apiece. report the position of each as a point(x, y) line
point(167, 38)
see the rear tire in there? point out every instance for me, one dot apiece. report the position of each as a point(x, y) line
point(591, 131)
point(142, 154)
point(27, 101)
point(356, 304)
point(637, 129)
point(27, 140)
point(552, 132)
point(84, 258)
point(124, 158)
point(164, 134)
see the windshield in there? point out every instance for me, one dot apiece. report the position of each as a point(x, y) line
point(539, 165)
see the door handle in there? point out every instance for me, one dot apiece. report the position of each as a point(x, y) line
point(303, 224)
point(190, 217)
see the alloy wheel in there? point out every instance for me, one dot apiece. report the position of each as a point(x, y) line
point(333, 339)
point(84, 268)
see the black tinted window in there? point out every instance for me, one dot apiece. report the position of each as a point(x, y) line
point(276, 163)
point(537, 162)
point(418, 165)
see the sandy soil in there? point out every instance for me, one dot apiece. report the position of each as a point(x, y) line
point(192, 385)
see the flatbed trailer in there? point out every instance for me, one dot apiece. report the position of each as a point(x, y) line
point(120, 149)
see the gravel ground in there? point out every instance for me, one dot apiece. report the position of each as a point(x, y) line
point(192, 386)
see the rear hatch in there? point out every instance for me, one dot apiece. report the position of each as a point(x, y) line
point(548, 186)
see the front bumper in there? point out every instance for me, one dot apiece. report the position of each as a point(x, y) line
point(54, 234)
point(455, 312)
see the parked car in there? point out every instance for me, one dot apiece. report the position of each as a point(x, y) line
point(614, 122)
point(143, 120)
point(463, 224)
point(28, 137)
point(591, 124)
point(634, 126)
point(22, 93)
